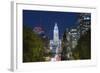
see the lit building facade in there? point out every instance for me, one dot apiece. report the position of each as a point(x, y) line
point(55, 44)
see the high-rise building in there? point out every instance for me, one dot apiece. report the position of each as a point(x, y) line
point(74, 36)
point(85, 22)
point(55, 44)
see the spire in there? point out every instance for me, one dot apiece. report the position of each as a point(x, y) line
point(56, 26)
point(55, 23)
point(56, 33)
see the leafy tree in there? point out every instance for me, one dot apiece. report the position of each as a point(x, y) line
point(64, 47)
point(33, 46)
point(83, 49)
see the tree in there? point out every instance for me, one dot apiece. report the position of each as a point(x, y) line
point(33, 46)
point(64, 47)
point(83, 49)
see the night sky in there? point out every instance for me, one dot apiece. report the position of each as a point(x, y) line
point(47, 20)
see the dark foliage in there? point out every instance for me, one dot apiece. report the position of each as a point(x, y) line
point(83, 49)
point(33, 47)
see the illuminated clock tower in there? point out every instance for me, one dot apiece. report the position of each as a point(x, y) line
point(55, 44)
point(56, 35)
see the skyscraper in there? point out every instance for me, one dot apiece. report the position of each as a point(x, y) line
point(56, 34)
point(55, 44)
